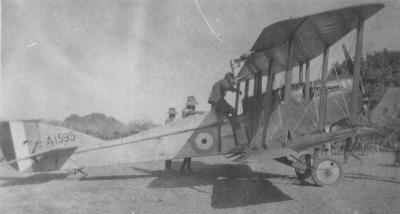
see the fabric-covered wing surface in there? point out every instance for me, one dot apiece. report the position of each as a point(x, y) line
point(310, 33)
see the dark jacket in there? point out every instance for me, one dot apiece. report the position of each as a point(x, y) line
point(219, 90)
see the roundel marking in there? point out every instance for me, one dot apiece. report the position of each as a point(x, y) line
point(204, 141)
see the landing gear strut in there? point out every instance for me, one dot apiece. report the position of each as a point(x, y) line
point(323, 171)
point(301, 173)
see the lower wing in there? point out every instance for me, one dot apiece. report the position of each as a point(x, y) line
point(299, 144)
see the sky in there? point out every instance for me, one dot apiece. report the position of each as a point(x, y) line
point(133, 60)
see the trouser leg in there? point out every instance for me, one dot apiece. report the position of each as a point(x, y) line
point(189, 164)
point(234, 121)
point(168, 164)
point(223, 106)
point(184, 164)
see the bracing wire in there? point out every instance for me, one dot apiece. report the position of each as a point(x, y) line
point(315, 103)
point(340, 107)
point(344, 99)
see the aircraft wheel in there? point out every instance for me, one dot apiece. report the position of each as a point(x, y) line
point(326, 172)
point(301, 174)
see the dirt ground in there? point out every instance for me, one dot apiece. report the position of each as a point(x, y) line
point(218, 186)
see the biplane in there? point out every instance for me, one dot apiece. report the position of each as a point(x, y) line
point(277, 122)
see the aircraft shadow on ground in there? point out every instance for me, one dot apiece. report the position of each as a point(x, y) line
point(232, 185)
point(243, 191)
point(37, 178)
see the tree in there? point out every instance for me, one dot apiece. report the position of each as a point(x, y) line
point(137, 126)
point(379, 70)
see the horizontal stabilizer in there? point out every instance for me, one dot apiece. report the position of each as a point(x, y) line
point(44, 154)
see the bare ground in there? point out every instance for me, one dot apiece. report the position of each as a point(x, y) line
point(217, 187)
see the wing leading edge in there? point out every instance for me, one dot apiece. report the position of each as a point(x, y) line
point(310, 33)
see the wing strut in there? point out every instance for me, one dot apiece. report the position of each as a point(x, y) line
point(323, 91)
point(307, 81)
point(357, 67)
point(289, 70)
point(301, 73)
point(268, 102)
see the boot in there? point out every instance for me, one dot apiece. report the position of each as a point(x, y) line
point(189, 166)
point(168, 166)
point(183, 166)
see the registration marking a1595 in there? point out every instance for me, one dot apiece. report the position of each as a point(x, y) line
point(62, 137)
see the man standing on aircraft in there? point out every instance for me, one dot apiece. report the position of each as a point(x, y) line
point(190, 109)
point(217, 98)
point(171, 117)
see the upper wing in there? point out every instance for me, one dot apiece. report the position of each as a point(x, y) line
point(310, 33)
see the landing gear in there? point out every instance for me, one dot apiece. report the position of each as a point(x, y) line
point(326, 172)
point(303, 174)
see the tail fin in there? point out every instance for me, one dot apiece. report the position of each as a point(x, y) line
point(28, 140)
